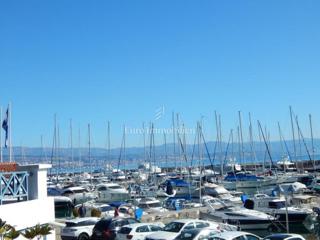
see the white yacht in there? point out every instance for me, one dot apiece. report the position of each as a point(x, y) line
point(78, 194)
point(286, 165)
point(150, 205)
point(118, 175)
point(111, 192)
point(219, 191)
point(276, 206)
point(244, 218)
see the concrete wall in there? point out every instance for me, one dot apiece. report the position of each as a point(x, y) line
point(29, 213)
point(37, 180)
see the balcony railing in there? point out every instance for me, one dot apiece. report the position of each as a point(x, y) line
point(13, 187)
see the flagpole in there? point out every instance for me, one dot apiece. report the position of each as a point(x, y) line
point(10, 135)
point(1, 160)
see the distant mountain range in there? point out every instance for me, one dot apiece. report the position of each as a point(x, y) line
point(277, 149)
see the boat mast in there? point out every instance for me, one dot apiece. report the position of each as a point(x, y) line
point(218, 127)
point(89, 151)
point(303, 140)
point(58, 149)
point(178, 136)
point(174, 141)
point(165, 148)
point(108, 145)
point(280, 136)
point(293, 135)
point(312, 144)
point(266, 143)
point(200, 156)
point(71, 146)
point(241, 140)
point(79, 146)
point(253, 151)
point(54, 144)
point(124, 148)
point(144, 143)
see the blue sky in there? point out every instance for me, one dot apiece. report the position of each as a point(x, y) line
point(95, 61)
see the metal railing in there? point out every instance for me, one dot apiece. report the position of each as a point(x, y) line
point(13, 186)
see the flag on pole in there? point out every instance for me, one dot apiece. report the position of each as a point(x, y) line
point(5, 127)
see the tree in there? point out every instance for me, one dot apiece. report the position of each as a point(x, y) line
point(7, 232)
point(37, 231)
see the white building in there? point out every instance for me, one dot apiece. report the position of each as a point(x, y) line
point(24, 202)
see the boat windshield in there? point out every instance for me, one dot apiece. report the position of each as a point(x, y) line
point(173, 227)
point(277, 205)
point(115, 187)
point(80, 191)
point(149, 205)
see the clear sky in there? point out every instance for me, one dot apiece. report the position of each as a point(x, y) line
point(95, 61)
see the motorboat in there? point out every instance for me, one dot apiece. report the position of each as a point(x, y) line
point(277, 207)
point(246, 219)
point(242, 179)
point(78, 194)
point(110, 192)
point(150, 205)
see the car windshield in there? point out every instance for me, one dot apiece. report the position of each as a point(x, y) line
point(187, 235)
point(277, 237)
point(125, 230)
point(173, 227)
point(70, 224)
point(102, 224)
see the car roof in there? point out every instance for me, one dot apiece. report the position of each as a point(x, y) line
point(74, 188)
point(186, 220)
point(134, 225)
point(283, 235)
point(231, 234)
point(77, 220)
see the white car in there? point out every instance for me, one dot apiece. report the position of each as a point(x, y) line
point(235, 235)
point(197, 234)
point(174, 228)
point(284, 236)
point(79, 228)
point(138, 231)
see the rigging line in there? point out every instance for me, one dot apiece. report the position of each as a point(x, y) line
point(193, 150)
point(207, 149)
point(227, 148)
point(264, 139)
point(284, 141)
point(304, 142)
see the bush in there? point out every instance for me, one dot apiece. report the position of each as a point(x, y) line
point(75, 212)
point(95, 212)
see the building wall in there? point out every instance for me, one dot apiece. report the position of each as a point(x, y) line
point(29, 213)
point(39, 209)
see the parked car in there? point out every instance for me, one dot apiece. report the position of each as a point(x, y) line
point(234, 235)
point(79, 228)
point(284, 236)
point(138, 231)
point(107, 228)
point(174, 228)
point(197, 234)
